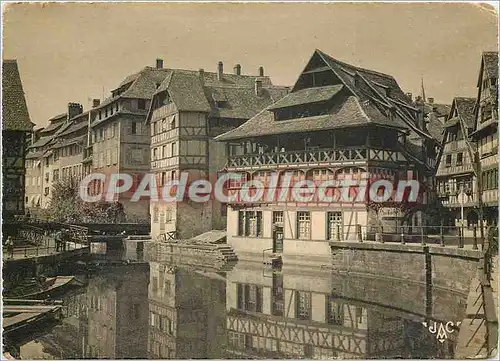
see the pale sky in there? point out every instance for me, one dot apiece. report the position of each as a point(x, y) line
point(70, 52)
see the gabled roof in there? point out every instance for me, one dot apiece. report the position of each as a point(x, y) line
point(74, 128)
point(231, 97)
point(490, 62)
point(42, 142)
point(308, 95)
point(139, 85)
point(368, 97)
point(186, 91)
point(63, 143)
point(465, 109)
point(15, 116)
point(349, 113)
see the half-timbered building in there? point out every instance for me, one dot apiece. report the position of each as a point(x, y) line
point(298, 314)
point(486, 134)
point(188, 109)
point(340, 122)
point(455, 173)
point(16, 124)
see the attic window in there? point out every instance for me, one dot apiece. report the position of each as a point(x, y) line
point(141, 104)
point(220, 103)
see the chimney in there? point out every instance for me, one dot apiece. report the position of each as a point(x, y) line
point(410, 97)
point(74, 109)
point(261, 71)
point(220, 70)
point(202, 75)
point(237, 69)
point(258, 87)
point(430, 100)
point(96, 103)
point(159, 63)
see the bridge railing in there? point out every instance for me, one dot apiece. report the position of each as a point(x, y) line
point(35, 232)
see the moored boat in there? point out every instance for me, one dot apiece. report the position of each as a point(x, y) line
point(43, 288)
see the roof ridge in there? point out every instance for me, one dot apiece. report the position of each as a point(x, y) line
point(357, 67)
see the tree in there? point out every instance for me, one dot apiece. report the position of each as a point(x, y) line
point(67, 206)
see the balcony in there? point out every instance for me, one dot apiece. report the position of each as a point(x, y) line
point(449, 169)
point(313, 157)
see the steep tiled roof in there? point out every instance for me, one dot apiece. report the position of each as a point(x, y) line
point(15, 114)
point(440, 110)
point(64, 143)
point(309, 95)
point(231, 97)
point(490, 59)
point(74, 128)
point(187, 92)
point(465, 108)
point(34, 155)
point(42, 142)
point(348, 113)
point(368, 97)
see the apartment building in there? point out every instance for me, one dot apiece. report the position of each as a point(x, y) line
point(455, 173)
point(16, 124)
point(340, 122)
point(43, 165)
point(486, 134)
point(120, 139)
point(188, 110)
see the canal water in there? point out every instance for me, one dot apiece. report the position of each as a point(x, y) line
point(157, 310)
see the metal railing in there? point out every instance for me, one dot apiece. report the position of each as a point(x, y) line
point(457, 236)
point(486, 298)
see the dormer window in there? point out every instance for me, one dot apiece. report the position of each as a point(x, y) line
point(221, 104)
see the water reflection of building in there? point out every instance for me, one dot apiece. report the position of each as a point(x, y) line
point(63, 341)
point(293, 315)
point(117, 313)
point(186, 313)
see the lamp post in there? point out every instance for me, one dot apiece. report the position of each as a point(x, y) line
point(462, 198)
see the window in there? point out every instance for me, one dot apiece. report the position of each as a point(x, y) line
point(173, 147)
point(448, 160)
point(249, 297)
point(359, 315)
point(141, 104)
point(155, 153)
point(172, 122)
point(334, 312)
point(155, 215)
point(133, 128)
point(303, 305)
point(164, 151)
point(460, 158)
point(277, 217)
point(334, 226)
point(250, 223)
point(303, 225)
